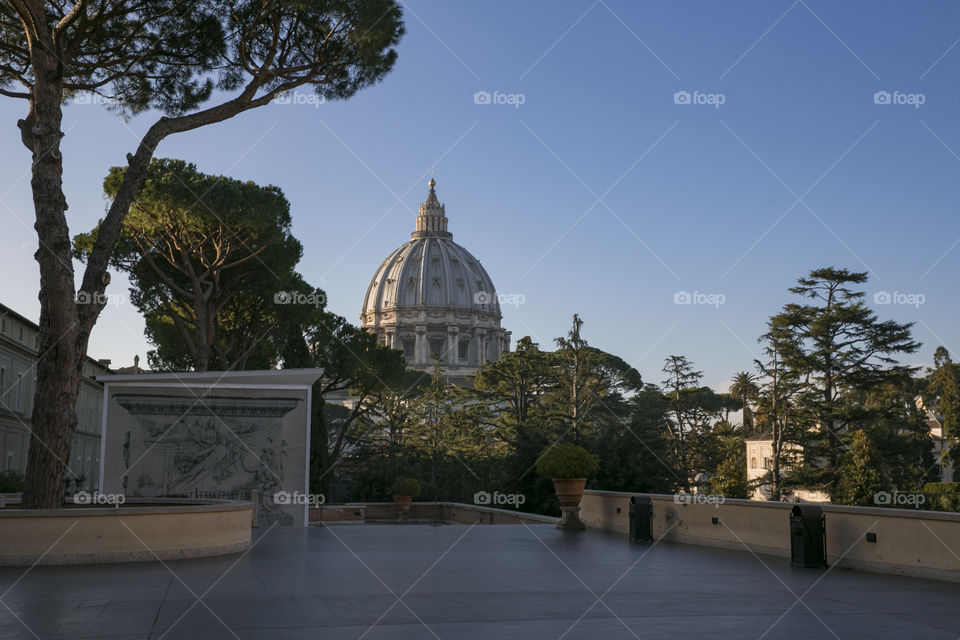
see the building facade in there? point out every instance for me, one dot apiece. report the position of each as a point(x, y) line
point(19, 338)
point(942, 443)
point(760, 460)
point(432, 298)
point(760, 466)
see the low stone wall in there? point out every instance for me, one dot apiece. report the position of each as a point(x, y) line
point(923, 544)
point(447, 512)
point(139, 531)
point(472, 514)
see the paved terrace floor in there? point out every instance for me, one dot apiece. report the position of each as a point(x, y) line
point(453, 582)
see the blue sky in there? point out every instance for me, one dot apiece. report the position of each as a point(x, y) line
point(599, 194)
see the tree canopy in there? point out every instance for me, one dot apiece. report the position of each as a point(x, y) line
point(209, 257)
point(197, 63)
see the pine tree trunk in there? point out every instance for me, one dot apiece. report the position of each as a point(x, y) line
point(63, 338)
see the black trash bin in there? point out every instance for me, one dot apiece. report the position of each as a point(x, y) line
point(641, 519)
point(808, 537)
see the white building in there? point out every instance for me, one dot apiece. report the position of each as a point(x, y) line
point(941, 442)
point(432, 297)
point(19, 338)
point(760, 467)
point(760, 460)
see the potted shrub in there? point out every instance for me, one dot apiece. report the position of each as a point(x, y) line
point(568, 465)
point(404, 491)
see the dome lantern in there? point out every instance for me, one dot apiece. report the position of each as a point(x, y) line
point(432, 219)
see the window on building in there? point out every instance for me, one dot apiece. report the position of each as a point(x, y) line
point(464, 350)
point(21, 334)
point(3, 325)
point(436, 347)
point(768, 463)
point(409, 350)
point(753, 462)
point(9, 460)
point(17, 393)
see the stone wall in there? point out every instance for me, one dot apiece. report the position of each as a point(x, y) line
point(446, 512)
point(142, 532)
point(924, 544)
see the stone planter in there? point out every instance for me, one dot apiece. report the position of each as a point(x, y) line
point(142, 530)
point(569, 490)
point(402, 503)
point(569, 493)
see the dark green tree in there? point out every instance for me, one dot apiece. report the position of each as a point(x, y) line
point(208, 258)
point(517, 385)
point(197, 62)
point(839, 347)
point(580, 383)
point(433, 433)
point(384, 455)
point(778, 414)
point(680, 386)
point(352, 361)
point(859, 477)
point(743, 389)
point(730, 479)
point(900, 433)
point(944, 385)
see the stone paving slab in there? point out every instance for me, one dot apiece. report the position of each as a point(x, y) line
point(461, 582)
